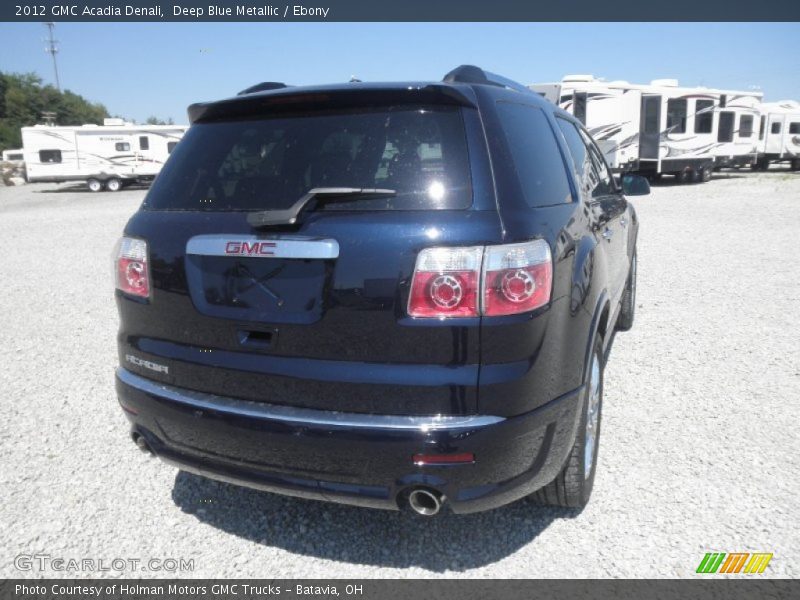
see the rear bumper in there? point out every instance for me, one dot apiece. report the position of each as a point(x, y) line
point(351, 458)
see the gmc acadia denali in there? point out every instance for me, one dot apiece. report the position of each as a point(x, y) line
point(392, 295)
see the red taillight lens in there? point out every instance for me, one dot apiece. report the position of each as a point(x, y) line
point(446, 283)
point(132, 273)
point(518, 278)
point(444, 459)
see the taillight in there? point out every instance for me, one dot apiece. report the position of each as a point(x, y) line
point(476, 280)
point(132, 273)
point(446, 283)
point(517, 278)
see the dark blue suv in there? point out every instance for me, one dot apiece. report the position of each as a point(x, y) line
point(393, 295)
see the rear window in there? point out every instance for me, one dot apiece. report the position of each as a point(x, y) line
point(269, 163)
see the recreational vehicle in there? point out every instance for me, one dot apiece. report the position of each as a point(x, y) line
point(14, 157)
point(779, 134)
point(107, 156)
point(662, 128)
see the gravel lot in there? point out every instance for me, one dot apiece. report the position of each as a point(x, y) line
point(699, 450)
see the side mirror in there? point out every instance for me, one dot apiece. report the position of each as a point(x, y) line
point(635, 185)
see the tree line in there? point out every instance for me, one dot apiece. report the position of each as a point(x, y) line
point(24, 98)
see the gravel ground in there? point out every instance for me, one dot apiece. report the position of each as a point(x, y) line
point(699, 450)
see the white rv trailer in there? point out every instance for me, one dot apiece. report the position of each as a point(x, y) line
point(779, 134)
point(14, 157)
point(107, 156)
point(660, 127)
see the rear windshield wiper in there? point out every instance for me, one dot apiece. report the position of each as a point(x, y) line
point(288, 216)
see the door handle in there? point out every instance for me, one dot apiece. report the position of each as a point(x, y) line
point(607, 234)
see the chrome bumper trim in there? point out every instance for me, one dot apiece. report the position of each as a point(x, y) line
point(302, 416)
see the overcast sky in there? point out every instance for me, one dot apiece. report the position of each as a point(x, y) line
point(138, 70)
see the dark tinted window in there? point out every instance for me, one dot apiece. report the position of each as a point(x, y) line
point(535, 154)
point(725, 133)
point(15, 157)
point(794, 128)
point(586, 172)
point(605, 184)
point(144, 142)
point(761, 128)
point(676, 115)
point(580, 107)
point(122, 146)
point(776, 127)
point(723, 101)
point(270, 163)
point(746, 126)
point(704, 116)
point(50, 156)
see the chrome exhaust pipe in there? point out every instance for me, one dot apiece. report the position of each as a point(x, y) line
point(141, 443)
point(425, 502)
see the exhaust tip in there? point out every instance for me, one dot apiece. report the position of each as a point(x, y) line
point(425, 502)
point(141, 443)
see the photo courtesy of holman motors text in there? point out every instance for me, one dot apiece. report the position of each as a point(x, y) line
point(399, 299)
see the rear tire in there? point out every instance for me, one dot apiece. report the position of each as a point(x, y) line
point(114, 184)
point(706, 174)
point(684, 176)
point(95, 185)
point(628, 302)
point(572, 487)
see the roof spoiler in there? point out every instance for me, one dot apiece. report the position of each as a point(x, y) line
point(263, 87)
point(473, 74)
point(292, 99)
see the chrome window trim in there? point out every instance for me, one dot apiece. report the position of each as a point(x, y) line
point(303, 416)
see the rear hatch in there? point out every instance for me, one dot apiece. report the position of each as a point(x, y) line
point(312, 313)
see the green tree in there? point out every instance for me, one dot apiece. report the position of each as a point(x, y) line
point(23, 99)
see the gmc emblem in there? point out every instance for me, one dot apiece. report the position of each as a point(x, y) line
point(250, 248)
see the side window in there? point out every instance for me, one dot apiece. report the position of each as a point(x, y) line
point(587, 176)
point(725, 133)
point(605, 183)
point(704, 116)
point(122, 146)
point(171, 147)
point(50, 156)
point(144, 142)
point(794, 128)
point(676, 115)
point(535, 154)
point(746, 126)
point(580, 107)
point(761, 128)
point(651, 110)
point(776, 127)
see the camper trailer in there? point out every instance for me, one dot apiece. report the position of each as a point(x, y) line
point(662, 128)
point(13, 157)
point(779, 134)
point(108, 156)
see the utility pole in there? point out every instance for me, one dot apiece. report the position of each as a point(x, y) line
point(52, 49)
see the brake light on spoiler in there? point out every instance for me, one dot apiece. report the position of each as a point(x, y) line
point(481, 280)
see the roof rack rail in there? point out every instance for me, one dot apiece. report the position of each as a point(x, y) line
point(263, 87)
point(473, 74)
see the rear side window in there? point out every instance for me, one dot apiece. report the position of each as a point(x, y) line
point(50, 156)
point(268, 164)
point(535, 153)
point(746, 126)
point(704, 116)
point(676, 115)
point(588, 177)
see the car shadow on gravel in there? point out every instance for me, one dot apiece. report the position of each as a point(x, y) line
point(361, 535)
